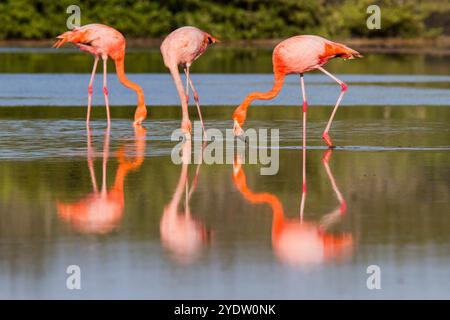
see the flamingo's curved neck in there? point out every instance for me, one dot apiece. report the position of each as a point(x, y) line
point(241, 112)
point(120, 70)
point(179, 85)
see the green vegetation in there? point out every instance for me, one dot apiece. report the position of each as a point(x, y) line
point(229, 19)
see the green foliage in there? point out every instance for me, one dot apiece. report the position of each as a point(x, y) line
point(398, 18)
point(226, 19)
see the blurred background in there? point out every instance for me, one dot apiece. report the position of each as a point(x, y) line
point(230, 19)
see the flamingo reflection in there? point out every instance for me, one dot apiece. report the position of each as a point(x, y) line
point(182, 235)
point(100, 212)
point(295, 241)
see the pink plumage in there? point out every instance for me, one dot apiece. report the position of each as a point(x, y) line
point(182, 47)
point(298, 55)
point(103, 41)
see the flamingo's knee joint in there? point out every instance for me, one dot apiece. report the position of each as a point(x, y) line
point(105, 90)
point(305, 106)
point(327, 139)
point(90, 89)
point(344, 87)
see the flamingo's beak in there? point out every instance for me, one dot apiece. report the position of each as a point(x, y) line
point(59, 42)
point(212, 40)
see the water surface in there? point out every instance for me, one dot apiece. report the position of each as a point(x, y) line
point(391, 168)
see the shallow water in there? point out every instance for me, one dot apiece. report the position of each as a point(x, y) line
point(394, 181)
point(242, 236)
point(225, 89)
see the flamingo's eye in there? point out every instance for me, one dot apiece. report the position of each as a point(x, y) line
point(210, 40)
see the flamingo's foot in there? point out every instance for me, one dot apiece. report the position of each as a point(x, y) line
point(327, 140)
point(186, 127)
point(237, 130)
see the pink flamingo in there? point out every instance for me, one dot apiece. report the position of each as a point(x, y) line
point(299, 54)
point(103, 42)
point(182, 47)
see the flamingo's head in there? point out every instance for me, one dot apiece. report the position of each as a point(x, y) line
point(211, 39)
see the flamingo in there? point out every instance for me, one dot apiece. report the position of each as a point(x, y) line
point(295, 241)
point(100, 211)
point(103, 41)
point(181, 234)
point(181, 47)
point(297, 55)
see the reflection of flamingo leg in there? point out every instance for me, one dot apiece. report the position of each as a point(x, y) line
point(304, 109)
point(186, 197)
point(325, 160)
point(197, 172)
point(91, 81)
point(90, 151)
point(194, 181)
point(105, 160)
point(197, 103)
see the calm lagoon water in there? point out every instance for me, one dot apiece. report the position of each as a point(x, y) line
point(116, 205)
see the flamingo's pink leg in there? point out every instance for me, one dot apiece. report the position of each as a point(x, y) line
point(304, 109)
point(91, 81)
point(185, 122)
point(105, 160)
point(105, 89)
point(344, 87)
point(186, 71)
point(197, 103)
